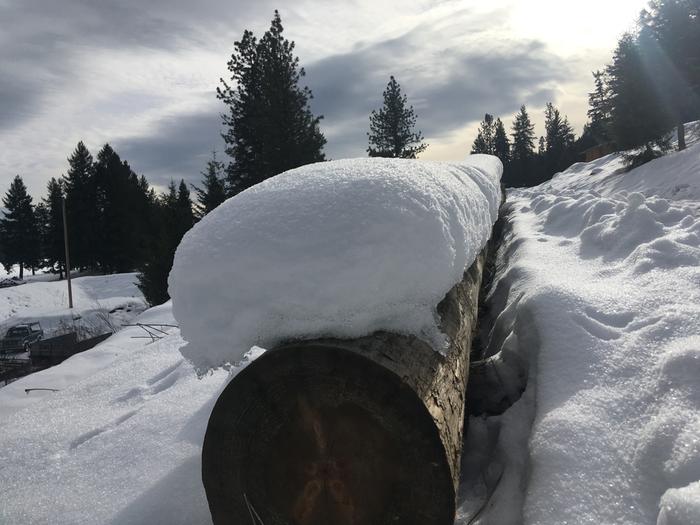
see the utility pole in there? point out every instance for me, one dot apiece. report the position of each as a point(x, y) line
point(65, 243)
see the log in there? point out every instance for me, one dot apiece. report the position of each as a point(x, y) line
point(345, 432)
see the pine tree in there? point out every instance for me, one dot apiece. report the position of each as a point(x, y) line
point(599, 109)
point(213, 189)
point(559, 143)
point(672, 28)
point(270, 127)
point(391, 128)
point(52, 236)
point(522, 151)
point(122, 201)
point(81, 208)
point(19, 233)
point(184, 212)
point(174, 218)
point(639, 120)
point(501, 144)
point(485, 138)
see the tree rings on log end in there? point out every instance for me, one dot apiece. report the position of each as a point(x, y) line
point(320, 435)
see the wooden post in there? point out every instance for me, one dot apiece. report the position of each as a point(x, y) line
point(65, 244)
point(346, 432)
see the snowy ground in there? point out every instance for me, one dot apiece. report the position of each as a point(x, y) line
point(597, 292)
point(599, 288)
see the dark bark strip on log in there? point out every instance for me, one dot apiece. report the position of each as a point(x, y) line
point(345, 432)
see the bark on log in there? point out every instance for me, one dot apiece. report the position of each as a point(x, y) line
point(345, 432)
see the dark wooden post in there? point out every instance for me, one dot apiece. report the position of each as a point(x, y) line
point(345, 432)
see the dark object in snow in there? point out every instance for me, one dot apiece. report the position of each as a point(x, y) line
point(357, 431)
point(21, 337)
point(61, 347)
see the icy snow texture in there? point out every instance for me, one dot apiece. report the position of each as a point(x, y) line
point(340, 248)
point(600, 280)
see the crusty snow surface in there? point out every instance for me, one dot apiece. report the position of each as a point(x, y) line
point(597, 300)
point(341, 248)
point(598, 287)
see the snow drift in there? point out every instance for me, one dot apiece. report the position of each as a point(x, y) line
point(341, 248)
point(597, 295)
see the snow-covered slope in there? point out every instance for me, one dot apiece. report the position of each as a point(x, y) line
point(599, 292)
point(342, 248)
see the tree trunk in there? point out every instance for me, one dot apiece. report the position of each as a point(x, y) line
point(21, 271)
point(681, 136)
point(346, 432)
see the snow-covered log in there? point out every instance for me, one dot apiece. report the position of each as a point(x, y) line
point(361, 277)
point(346, 431)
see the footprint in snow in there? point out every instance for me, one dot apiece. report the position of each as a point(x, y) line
point(87, 436)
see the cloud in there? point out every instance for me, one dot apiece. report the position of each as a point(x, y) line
point(142, 75)
point(447, 93)
point(177, 148)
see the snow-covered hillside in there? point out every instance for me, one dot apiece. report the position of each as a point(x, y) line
point(598, 290)
point(597, 296)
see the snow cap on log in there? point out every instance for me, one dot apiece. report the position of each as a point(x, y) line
point(333, 249)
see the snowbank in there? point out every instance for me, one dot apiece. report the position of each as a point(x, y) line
point(340, 248)
point(598, 294)
point(119, 442)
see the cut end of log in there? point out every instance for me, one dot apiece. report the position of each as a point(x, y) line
point(312, 434)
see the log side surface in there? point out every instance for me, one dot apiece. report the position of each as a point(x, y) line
point(346, 432)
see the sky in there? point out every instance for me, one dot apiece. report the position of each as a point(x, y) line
point(142, 75)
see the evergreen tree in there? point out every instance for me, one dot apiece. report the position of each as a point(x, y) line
point(672, 30)
point(501, 144)
point(184, 213)
point(391, 128)
point(81, 208)
point(213, 189)
point(19, 233)
point(599, 109)
point(42, 220)
point(174, 217)
point(485, 138)
point(122, 201)
point(270, 125)
point(52, 235)
point(559, 143)
point(522, 151)
point(638, 119)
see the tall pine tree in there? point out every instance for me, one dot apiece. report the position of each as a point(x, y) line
point(213, 189)
point(559, 151)
point(673, 52)
point(52, 238)
point(501, 144)
point(270, 127)
point(638, 120)
point(391, 128)
point(485, 138)
point(522, 151)
point(174, 217)
point(19, 233)
point(599, 110)
point(81, 208)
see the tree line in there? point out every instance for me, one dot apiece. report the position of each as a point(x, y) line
point(118, 222)
point(651, 86)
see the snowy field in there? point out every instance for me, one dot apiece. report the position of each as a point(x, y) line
point(598, 294)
